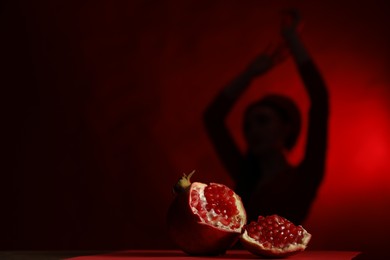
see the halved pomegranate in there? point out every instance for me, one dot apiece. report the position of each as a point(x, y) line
point(205, 219)
point(274, 236)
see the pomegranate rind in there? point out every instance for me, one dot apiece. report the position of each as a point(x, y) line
point(257, 248)
point(195, 237)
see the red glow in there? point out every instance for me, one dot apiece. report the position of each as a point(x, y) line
point(106, 97)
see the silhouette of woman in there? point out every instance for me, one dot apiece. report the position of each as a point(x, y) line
point(264, 179)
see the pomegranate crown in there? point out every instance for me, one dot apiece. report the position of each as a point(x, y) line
point(183, 184)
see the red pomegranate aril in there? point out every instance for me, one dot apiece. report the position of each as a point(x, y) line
point(235, 226)
point(224, 221)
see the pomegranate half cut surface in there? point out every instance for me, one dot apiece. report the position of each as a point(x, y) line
point(274, 236)
point(205, 219)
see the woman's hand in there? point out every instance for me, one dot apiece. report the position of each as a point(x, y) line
point(291, 22)
point(291, 27)
point(270, 57)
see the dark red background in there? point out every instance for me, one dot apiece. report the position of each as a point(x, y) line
point(102, 104)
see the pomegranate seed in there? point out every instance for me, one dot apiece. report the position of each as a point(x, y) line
point(235, 225)
point(267, 244)
point(224, 222)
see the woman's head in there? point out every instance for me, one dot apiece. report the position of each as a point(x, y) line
point(272, 123)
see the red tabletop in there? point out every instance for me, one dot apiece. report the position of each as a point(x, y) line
point(233, 254)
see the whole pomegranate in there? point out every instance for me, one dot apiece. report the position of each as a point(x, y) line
point(274, 236)
point(205, 219)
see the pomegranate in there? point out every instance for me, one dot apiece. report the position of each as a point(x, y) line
point(205, 219)
point(274, 236)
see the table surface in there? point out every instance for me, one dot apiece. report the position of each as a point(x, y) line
point(161, 255)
